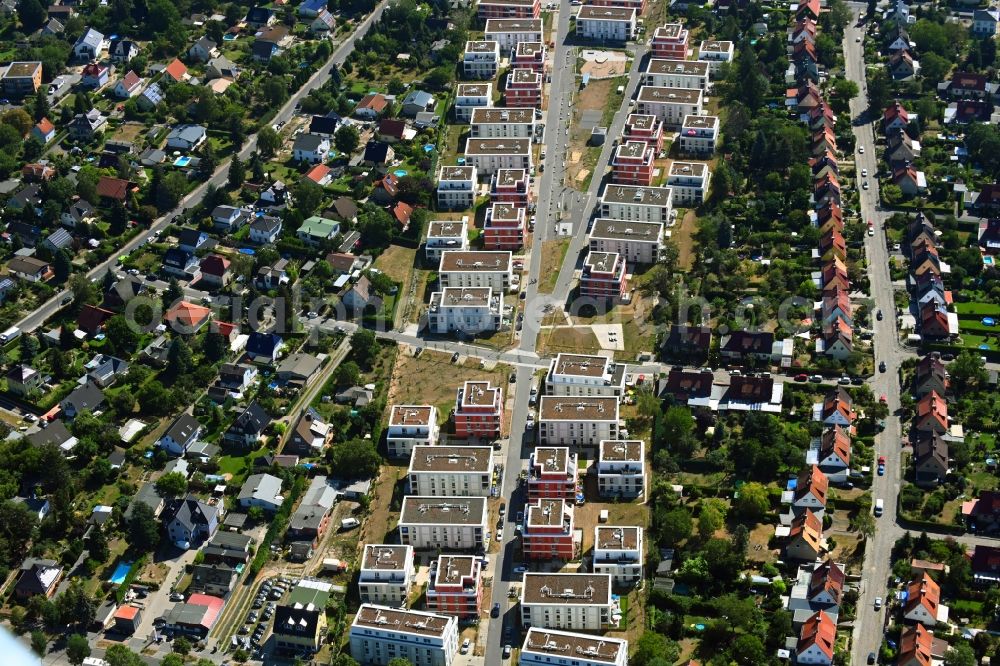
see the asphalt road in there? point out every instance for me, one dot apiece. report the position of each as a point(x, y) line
point(46, 310)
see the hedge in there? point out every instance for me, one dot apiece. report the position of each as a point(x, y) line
point(132, 574)
point(277, 526)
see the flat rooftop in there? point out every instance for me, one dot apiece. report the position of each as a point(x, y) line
point(473, 89)
point(715, 46)
point(512, 3)
point(567, 646)
point(528, 49)
point(688, 169)
point(641, 121)
point(464, 297)
point(602, 262)
point(506, 211)
point(411, 415)
point(552, 459)
point(474, 260)
point(621, 450)
point(611, 537)
point(22, 69)
point(510, 177)
point(483, 46)
point(522, 75)
point(498, 146)
point(694, 121)
point(451, 569)
point(417, 623)
point(576, 408)
point(547, 513)
point(670, 31)
point(636, 195)
point(649, 232)
point(633, 149)
point(567, 589)
point(581, 365)
point(443, 510)
point(606, 13)
point(459, 459)
point(383, 557)
point(479, 394)
point(488, 114)
point(446, 229)
point(513, 25)
point(687, 67)
point(662, 95)
point(454, 172)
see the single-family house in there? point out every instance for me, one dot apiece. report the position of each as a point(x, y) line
point(316, 230)
point(311, 148)
point(203, 50)
point(310, 436)
point(85, 126)
point(90, 46)
point(123, 49)
point(362, 295)
point(228, 219)
point(264, 347)
point(182, 434)
point(44, 131)
point(186, 137)
point(190, 521)
point(86, 397)
point(95, 75)
point(187, 318)
point(247, 430)
point(261, 490)
point(215, 272)
point(265, 229)
point(38, 577)
point(30, 269)
point(176, 72)
point(371, 106)
point(128, 86)
point(150, 98)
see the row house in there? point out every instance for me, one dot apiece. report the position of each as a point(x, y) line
point(804, 30)
point(551, 473)
point(688, 182)
point(604, 276)
point(824, 164)
point(895, 117)
point(490, 155)
point(476, 268)
point(633, 203)
point(715, 53)
point(619, 552)
point(621, 468)
point(379, 634)
point(917, 647)
point(470, 96)
point(504, 226)
point(481, 60)
point(548, 531)
point(529, 55)
point(671, 105)
point(606, 24)
point(923, 601)
point(501, 9)
point(837, 409)
point(583, 375)
point(386, 575)
point(823, 141)
point(633, 163)
point(641, 127)
point(816, 640)
point(456, 187)
point(479, 410)
point(931, 374)
point(637, 242)
point(575, 601)
point(930, 459)
point(511, 186)
point(445, 235)
point(670, 41)
point(577, 421)
point(699, 136)
point(679, 73)
point(834, 453)
point(805, 538)
point(524, 89)
point(932, 414)
point(443, 523)
point(411, 426)
point(811, 492)
point(818, 587)
point(542, 646)
point(456, 586)
point(508, 32)
point(502, 123)
point(451, 471)
point(469, 311)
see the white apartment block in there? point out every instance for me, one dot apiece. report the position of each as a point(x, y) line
point(380, 634)
point(467, 310)
point(446, 523)
point(577, 421)
point(637, 242)
point(676, 74)
point(715, 53)
point(545, 647)
point(481, 60)
point(636, 203)
point(584, 375)
point(451, 471)
point(618, 552)
point(670, 105)
point(446, 235)
point(386, 575)
point(476, 268)
point(508, 32)
point(689, 182)
point(574, 601)
point(456, 188)
point(621, 468)
point(469, 96)
point(606, 24)
point(488, 155)
point(409, 426)
point(699, 135)
point(502, 123)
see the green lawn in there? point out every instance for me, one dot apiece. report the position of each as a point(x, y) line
point(976, 308)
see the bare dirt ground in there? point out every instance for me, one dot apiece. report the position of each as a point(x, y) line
point(593, 98)
point(683, 238)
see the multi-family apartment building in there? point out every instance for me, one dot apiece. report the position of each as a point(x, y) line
point(551, 473)
point(715, 53)
point(633, 163)
point(640, 127)
point(585, 375)
point(386, 575)
point(409, 426)
point(489, 155)
point(508, 32)
point(548, 532)
point(638, 242)
point(604, 276)
point(699, 135)
point(503, 228)
point(618, 552)
point(511, 186)
point(606, 24)
point(499, 9)
point(456, 188)
point(641, 204)
point(21, 79)
point(544, 647)
point(524, 89)
point(679, 73)
point(446, 235)
point(475, 268)
point(481, 60)
point(451, 471)
point(575, 601)
point(621, 468)
point(689, 182)
point(466, 310)
point(379, 634)
point(456, 586)
point(670, 41)
point(670, 105)
point(502, 123)
point(528, 55)
point(469, 96)
point(478, 410)
point(445, 523)
point(577, 420)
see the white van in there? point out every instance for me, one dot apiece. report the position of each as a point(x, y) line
point(12, 333)
point(879, 505)
point(349, 523)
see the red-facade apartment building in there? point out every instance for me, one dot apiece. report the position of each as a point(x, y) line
point(529, 55)
point(478, 410)
point(548, 530)
point(524, 89)
point(641, 127)
point(551, 473)
point(499, 9)
point(504, 227)
point(456, 586)
point(511, 186)
point(633, 164)
point(670, 41)
point(603, 276)
point(638, 5)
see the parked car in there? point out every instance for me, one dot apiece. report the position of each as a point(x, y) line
point(878, 603)
point(801, 377)
point(881, 366)
point(466, 644)
point(496, 611)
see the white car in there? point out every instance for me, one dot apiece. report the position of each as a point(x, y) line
point(864, 173)
point(864, 185)
point(861, 150)
point(466, 644)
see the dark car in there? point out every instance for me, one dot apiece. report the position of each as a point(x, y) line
point(857, 381)
point(496, 611)
point(871, 657)
point(454, 357)
point(878, 315)
point(881, 366)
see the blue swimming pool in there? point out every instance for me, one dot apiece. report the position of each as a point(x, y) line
point(121, 571)
point(399, 173)
point(182, 161)
point(989, 321)
point(428, 147)
point(229, 37)
point(988, 260)
point(247, 251)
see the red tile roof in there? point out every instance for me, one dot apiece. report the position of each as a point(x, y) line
point(176, 70)
point(819, 630)
point(112, 188)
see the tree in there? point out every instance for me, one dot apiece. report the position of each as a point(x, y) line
point(347, 374)
point(844, 90)
point(121, 334)
point(39, 642)
point(77, 649)
point(651, 648)
point(365, 347)
point(32, 15)
point(268, 142)
point(215, 347)
point(119, 654)
point(19, 120)
point(308, 197)
point(173, 659)
point(680, 424)
point(237, 174)
point(29, 348)
point(173, 484)
point(182, 645)
point(62, 266)
point(356, 459)
point(960, 654)
point(863, 522)
point(710, 520)
point(255, 514)
point(346, 139)
point(675, 527)
point(749, 650)
point(97, 543)
point(879, 89)
point(968, 372)
point(180, 359)
point(752, 502)
point(170, 190)
point(143, 529)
